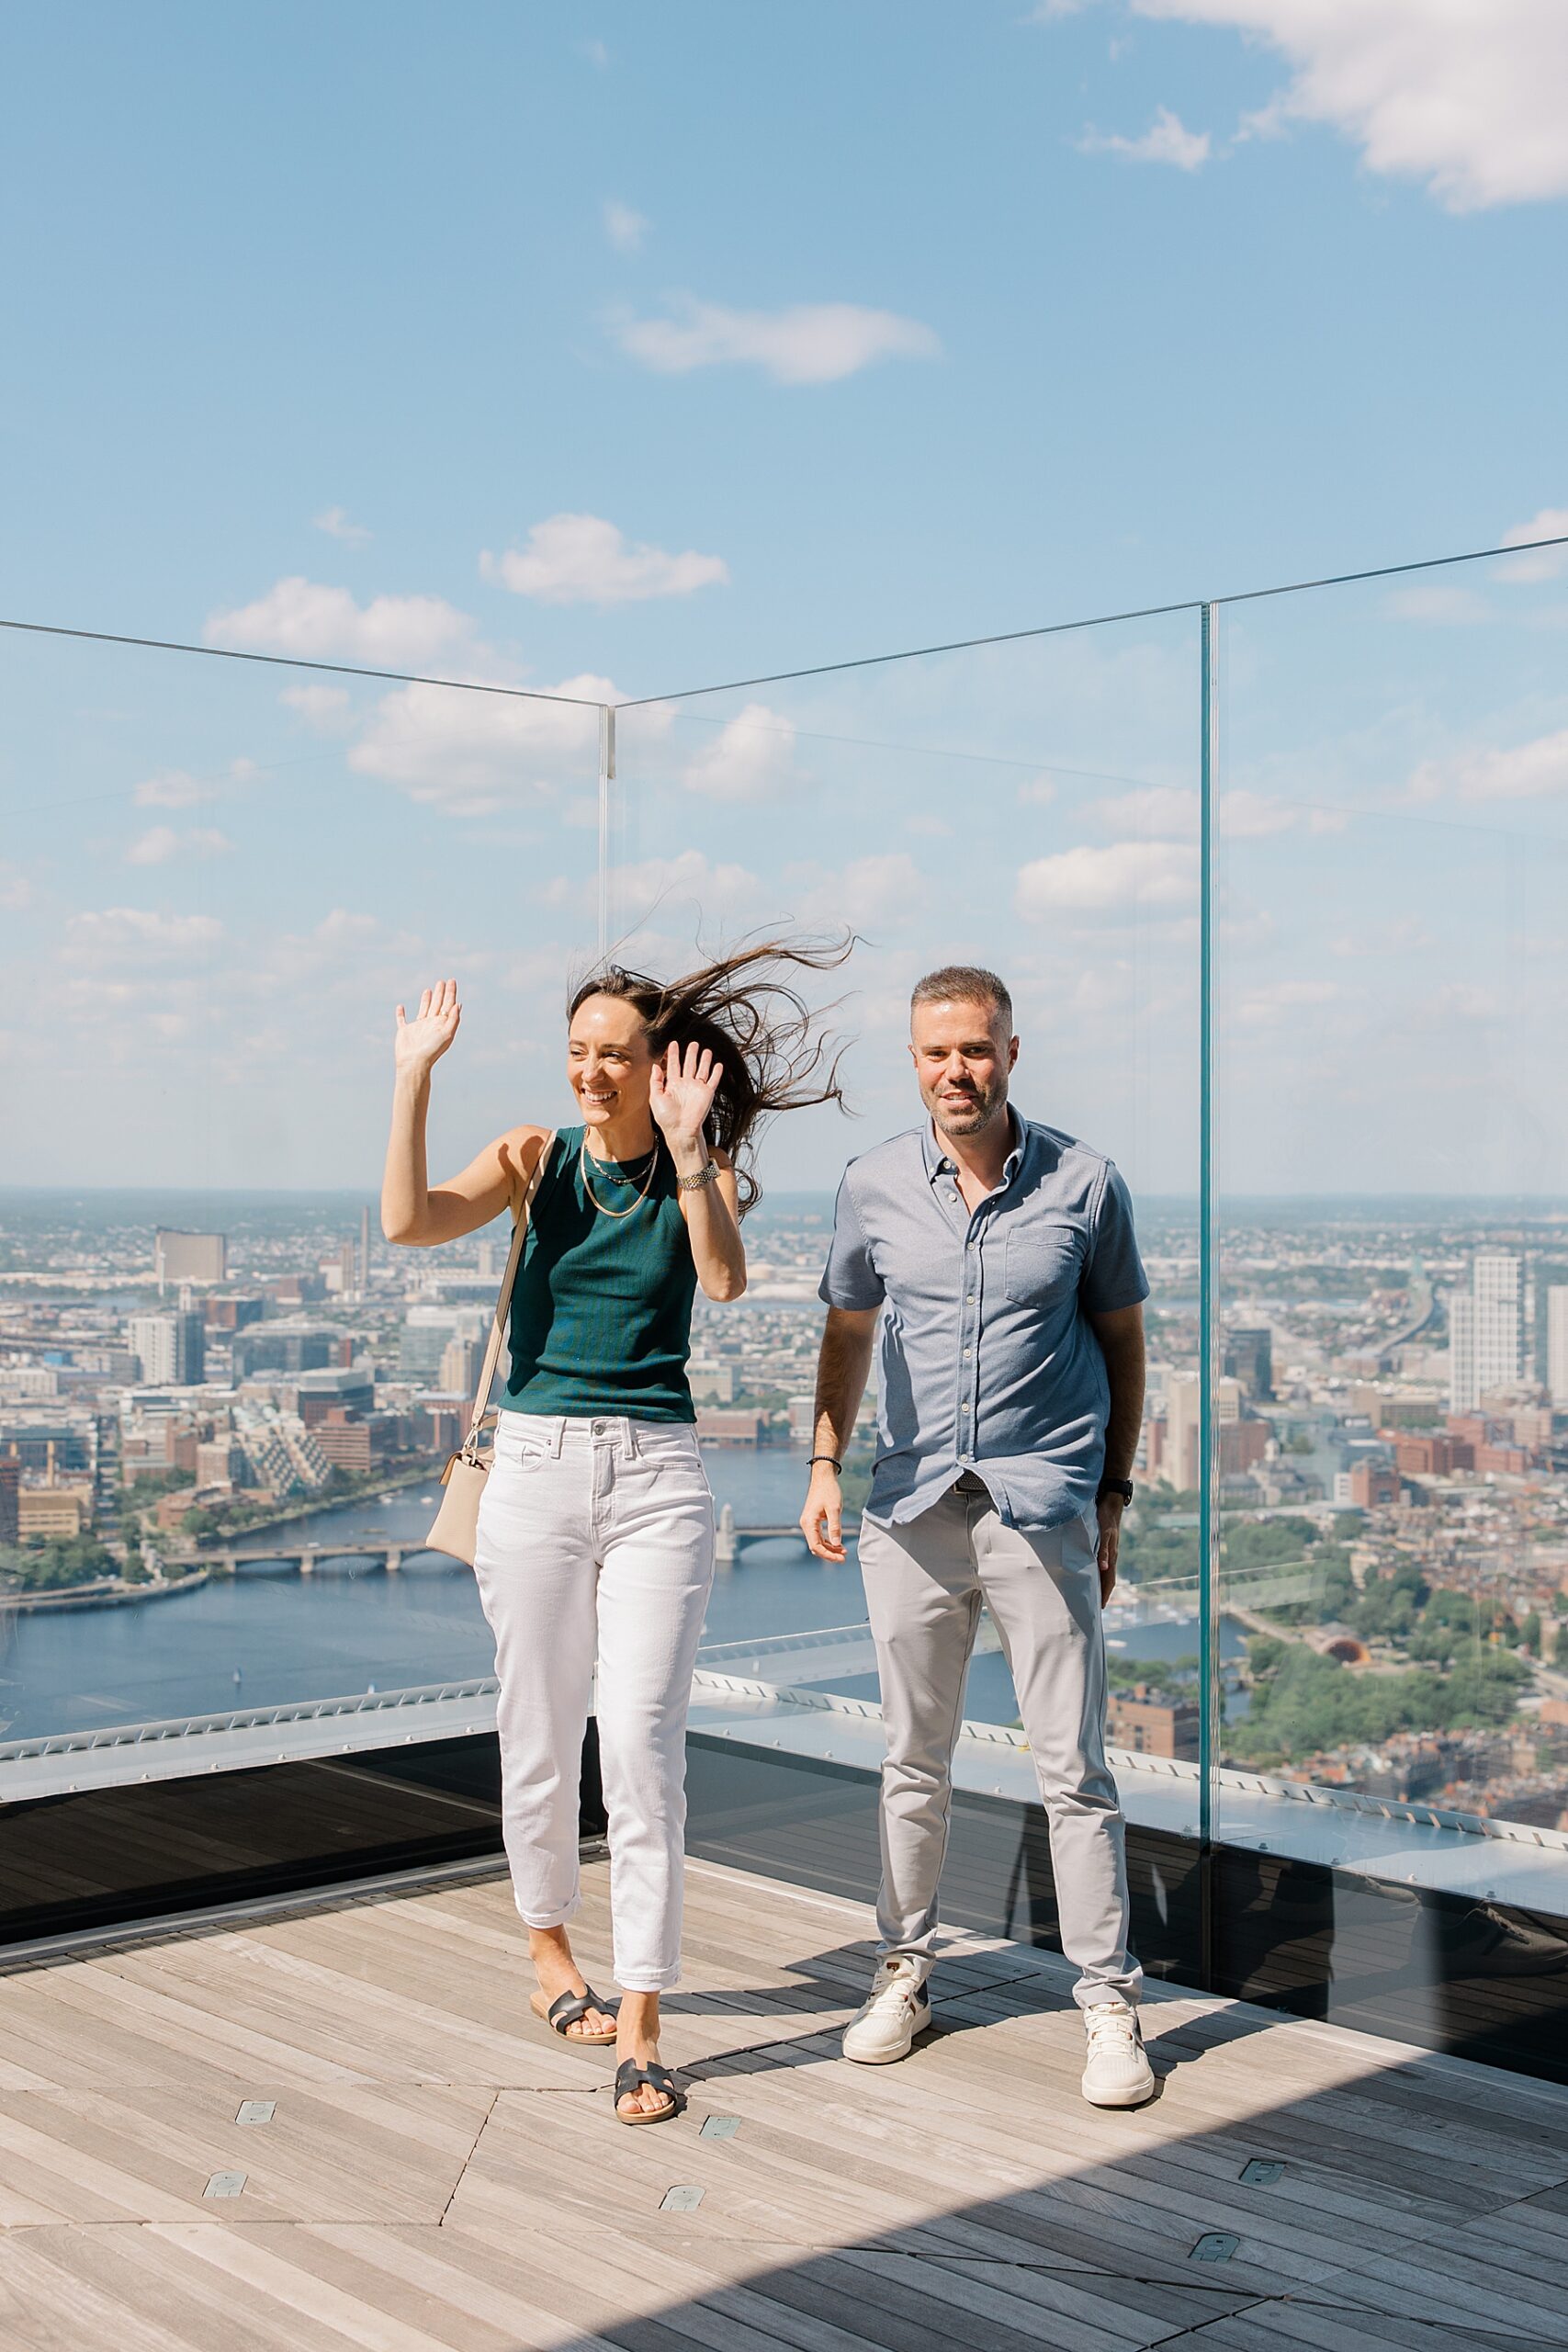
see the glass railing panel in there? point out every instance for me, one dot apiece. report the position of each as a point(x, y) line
point(217, 1468)
point(1392, 1154)
point(1031, 808)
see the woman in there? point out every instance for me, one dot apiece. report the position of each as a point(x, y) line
point(596, 1532)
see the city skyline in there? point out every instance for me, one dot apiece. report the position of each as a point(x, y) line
point(1389, 1475)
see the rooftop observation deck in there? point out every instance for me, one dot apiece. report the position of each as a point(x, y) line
point(429, 2168)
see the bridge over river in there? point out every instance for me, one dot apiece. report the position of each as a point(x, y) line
point(228, 1559)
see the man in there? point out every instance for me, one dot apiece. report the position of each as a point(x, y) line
point(1000, 1256)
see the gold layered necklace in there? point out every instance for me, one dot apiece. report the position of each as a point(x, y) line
point(644, 1184)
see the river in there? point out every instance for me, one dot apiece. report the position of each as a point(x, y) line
point(267, 1635)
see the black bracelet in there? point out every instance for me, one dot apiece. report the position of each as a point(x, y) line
point(827, 1457)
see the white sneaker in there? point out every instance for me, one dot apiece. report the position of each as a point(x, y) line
point(897, 2008)
point(1118, 2072)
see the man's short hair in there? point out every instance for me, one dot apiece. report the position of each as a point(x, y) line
point(963, 984)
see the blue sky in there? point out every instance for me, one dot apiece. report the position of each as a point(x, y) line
point(623, 349)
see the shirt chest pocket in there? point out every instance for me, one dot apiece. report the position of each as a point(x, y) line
point(1043, 1262)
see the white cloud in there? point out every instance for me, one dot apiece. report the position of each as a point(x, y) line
point(625, 227)
point(1122, 879)
point(1166, 141)
point(638, 889)
point(1519, 772)
point(334, 522)
point(16, 890)
point(1152, 809)
point(1155, 809)
point(1252, 815)
point(326, 708)
point(1441, 601)
point(1464, 95)
point(312, 622)
point(473, 753)
point(119, 936)
point(811, 343)
point(161, 842)
point(1262, 1007)
point(583, 559)
point(752, 758)
point(1039, 791)
point(1401, 935)
point(1544, 563)
point(867, 892)
point(176, 788)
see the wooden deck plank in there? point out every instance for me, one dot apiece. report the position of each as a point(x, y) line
point(440, 2171)
point(350, 2156)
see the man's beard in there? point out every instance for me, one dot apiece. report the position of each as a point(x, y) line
point(968, 1118)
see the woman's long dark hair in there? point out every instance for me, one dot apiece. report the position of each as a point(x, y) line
point(769, 1043)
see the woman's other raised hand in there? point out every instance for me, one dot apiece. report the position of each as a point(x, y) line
point(421, 1041)
point(681, 1091)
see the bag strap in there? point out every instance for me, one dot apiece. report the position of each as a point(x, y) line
point(503, 1303)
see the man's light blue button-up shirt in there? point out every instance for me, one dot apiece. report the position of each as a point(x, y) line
point(988, 1361)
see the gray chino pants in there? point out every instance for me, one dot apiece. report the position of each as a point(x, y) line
point(924, 1584)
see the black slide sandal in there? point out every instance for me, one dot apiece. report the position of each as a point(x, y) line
point(565, 2010)
point(630, 2077)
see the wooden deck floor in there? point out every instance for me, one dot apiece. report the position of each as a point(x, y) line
point(438, 2172)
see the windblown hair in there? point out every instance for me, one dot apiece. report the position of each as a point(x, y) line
point(771, 1048)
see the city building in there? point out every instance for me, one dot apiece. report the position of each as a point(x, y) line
point(10, 1483)
point(1486, 1329)
point(340, 1388)
point(1372, 1484)
point(426, 1332)
point(1249, 1358)
point(189, 1257)
point(346, 1441)
point(170, 1348)
point(1439, 1455)
point(717, 1426)
point(339, 1271)
point(1180, 1462)
point(53, 1514)
point(1557, 1344)
point(1151, 1722)
point(461, 1361)
point(231, 1314)
point(441, 1423)
point(283, 1453)
point(1242, 1444)
point(219, 1462)
point(282, 1347)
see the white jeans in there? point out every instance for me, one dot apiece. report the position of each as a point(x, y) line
point(596, 1538)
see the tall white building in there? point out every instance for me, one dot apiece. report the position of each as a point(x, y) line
point(170, 1348)
point(1182, 1466)
point(1486, 1330)
point(1557, 1343)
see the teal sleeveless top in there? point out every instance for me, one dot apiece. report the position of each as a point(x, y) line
point(601, 1307)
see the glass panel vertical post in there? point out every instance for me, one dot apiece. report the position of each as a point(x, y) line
point(607, 778)
point(1208, 1677)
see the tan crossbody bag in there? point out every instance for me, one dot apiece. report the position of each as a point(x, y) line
point(456, 1521)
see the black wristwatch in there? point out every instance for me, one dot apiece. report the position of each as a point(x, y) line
point(1122, 1487)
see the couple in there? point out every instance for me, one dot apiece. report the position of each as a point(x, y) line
point(1001, 1259)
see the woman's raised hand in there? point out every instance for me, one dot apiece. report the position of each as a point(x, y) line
point(681, 1091)
point(421, 1041)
